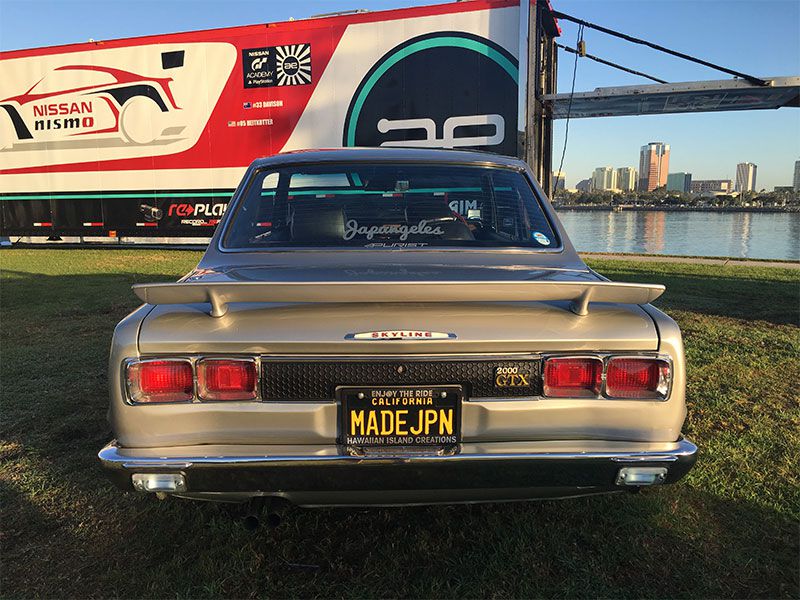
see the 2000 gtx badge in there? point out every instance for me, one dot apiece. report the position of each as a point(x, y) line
point(394, 326)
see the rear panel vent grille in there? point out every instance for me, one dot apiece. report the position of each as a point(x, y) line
point(318, 379)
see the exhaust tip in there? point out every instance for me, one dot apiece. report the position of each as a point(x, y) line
point(251, 522)
point(252, 516)
point(267, 509)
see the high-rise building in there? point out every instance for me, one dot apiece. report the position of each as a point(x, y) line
point(584, 185)
point(559, 180)
point(626, 179)
point(653, 166)
point(746, 177)
point(604, 178)
point(796, 185)
point(679, 182)
point(701, 186)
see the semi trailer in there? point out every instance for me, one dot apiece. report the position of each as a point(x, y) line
point(147, 137)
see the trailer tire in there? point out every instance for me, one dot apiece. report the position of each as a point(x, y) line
point(141, 120)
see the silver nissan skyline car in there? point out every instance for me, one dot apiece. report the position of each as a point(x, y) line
point(394, 326)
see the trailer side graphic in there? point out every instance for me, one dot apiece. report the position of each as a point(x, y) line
point(149, 136)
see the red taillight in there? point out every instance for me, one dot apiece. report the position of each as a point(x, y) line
point(226, 379)
point(161, 381)
point(637, 378)
point(573, 377)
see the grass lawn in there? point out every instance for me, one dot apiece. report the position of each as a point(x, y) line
point(730, 529)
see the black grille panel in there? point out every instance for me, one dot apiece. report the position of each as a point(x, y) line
point(318, 379)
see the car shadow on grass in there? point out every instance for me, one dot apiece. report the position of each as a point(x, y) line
point(665, 543)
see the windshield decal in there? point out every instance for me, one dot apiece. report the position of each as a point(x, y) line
point(352, 228)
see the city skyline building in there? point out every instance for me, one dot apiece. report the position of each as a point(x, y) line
point(746, 177)
point(627, 179)
point(604, 178)
point(653, 166)
point(796, 182)
point(559, 180)
point(679, 182)
point(702, 186)
point(584, 185)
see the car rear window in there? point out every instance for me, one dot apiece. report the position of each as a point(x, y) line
point(388, 206)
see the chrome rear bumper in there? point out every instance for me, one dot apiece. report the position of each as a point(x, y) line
point(324, 475)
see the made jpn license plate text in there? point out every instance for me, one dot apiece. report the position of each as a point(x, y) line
point(401, 416)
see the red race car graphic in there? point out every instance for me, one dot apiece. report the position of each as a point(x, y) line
point(77, 102)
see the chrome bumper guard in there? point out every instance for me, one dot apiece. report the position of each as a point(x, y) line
point(298, 470)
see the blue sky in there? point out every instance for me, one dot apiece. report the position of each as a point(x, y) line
point(761, 37)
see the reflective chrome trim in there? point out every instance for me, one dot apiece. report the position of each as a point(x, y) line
point(666, 458)
point(191, 359)
point(199, 389)
point(111, 456)
point(660, 398)
point(369, 336)
point(400, 357)
point(320, 475)
point(587, 356)
point(150, 464)
point(260, 358)
point(128, 394)
point(605, 356)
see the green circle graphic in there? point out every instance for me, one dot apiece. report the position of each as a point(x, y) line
point(436, 42)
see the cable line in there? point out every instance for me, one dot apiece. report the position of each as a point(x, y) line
point(602, 61)
point(578, 43)
point(635, 40)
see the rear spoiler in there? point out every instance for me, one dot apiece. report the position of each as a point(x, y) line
point(219, 295)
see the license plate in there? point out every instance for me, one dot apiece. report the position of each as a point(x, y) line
point(401, 416)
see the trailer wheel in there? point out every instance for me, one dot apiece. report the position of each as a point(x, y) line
point(141, 120)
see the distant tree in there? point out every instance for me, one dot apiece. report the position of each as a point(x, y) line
point(661, 197)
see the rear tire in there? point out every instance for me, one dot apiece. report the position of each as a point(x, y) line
point(141, 121)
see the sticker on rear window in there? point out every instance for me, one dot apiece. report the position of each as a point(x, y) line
point(352, 228)
point(541, 238)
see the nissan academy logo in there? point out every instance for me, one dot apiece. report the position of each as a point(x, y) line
point(442, 90)
point(272, 66)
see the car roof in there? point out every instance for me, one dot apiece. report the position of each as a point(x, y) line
point(426, 155)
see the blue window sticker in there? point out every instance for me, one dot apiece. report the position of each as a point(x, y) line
point(541, 238)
